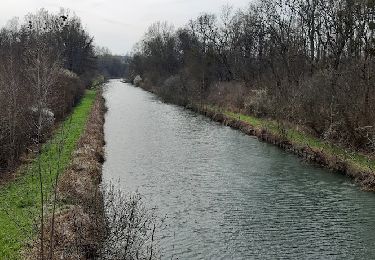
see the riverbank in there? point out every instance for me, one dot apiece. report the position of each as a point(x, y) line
point(357, 166)
point(20, 199)
point(292, 138)
point(78, 228)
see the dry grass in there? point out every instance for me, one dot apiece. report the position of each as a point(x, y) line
point(79, 227)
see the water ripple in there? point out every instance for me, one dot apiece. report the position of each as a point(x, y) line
point(226, 195)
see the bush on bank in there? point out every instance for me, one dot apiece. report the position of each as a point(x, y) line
point(309, 63)
point(20, 200)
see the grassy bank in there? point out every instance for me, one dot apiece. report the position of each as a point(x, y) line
point(359, 166)
point(20, 200)
point(77, 229)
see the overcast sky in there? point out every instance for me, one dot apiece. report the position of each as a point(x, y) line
point(119, 24)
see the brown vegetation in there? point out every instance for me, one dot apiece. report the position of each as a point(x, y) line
point(308, 62)
point(45, 64)
point(77, 231)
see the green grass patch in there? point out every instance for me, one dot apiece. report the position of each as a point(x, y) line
point(20, 199)
point(300, 138)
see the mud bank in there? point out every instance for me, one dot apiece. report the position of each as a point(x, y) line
point(365, 178)
point(77, 230)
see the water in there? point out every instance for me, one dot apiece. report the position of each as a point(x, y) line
point(227, 195)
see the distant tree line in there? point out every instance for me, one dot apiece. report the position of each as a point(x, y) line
point(111, 66)
point(45, 64)
point(310, 62)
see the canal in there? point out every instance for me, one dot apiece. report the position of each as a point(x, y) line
point(225, 195)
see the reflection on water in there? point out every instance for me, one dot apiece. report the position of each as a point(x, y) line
point(226, 195)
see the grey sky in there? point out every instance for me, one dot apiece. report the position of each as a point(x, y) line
point(119, 24)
